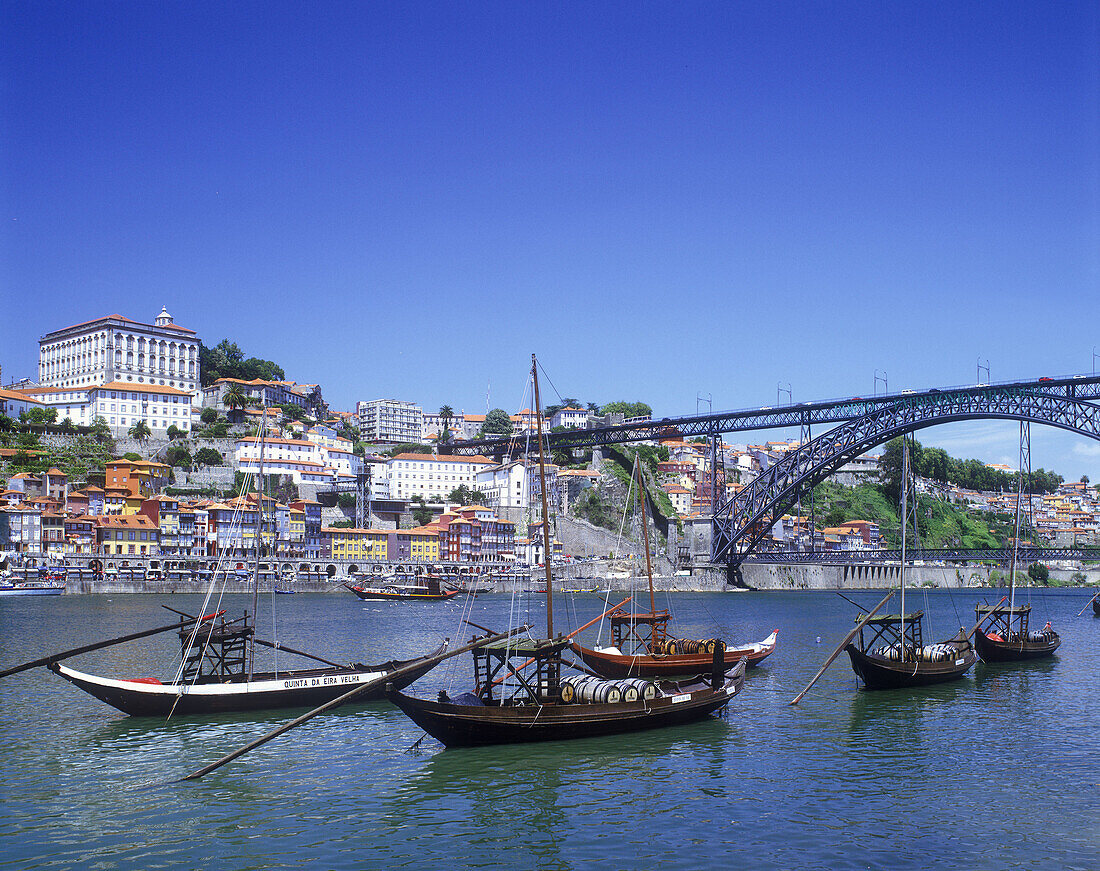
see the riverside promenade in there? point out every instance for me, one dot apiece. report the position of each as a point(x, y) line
point(145, 575)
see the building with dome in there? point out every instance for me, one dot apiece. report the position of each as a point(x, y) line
point(115, 349)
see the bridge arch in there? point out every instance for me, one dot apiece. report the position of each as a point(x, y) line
point(742, 521)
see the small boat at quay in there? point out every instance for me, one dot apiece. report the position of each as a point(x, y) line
point(31, 589)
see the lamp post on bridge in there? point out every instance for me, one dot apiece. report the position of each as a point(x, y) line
point(980, 368)
point(885, 383)
point(780, 390)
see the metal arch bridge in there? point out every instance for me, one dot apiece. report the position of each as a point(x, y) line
point(740, 522)
point(1082, 387)
point(743, 520)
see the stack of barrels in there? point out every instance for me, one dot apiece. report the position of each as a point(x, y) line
point(594, 690)
point(684, 645)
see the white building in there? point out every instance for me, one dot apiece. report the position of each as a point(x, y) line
point(432, 477)
point(516, 485)
point(576, 418)
point(13, 403)
point(117, 349)
point(122, 404)
point(391, 421)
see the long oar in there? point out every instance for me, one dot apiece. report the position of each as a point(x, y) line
point(1089, 602)
point(840, 647)
point(348, 696)
point(76, 651)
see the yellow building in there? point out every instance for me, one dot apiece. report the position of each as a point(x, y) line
point(357, 544)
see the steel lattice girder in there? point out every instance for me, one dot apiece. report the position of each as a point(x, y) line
point(741, 521)
point(830, 411)
point(950, 554)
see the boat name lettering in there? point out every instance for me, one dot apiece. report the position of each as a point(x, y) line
point(681, 698)
point(294, 684)
point(958, 662)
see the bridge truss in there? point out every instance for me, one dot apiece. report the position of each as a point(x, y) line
point(743, 520)
point(739, 523)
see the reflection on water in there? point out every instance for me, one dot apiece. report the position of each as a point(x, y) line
point(994, 770)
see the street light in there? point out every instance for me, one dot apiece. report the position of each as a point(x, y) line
point(986, 368)
point(780, 389)
point(885, 383)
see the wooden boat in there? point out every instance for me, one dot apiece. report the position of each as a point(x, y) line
point(532, 701)
point(217, 672)
point(534, 714)
point(1003, 636)
point(647, 632)
point(216, 680)
point(902, 660)
point(1001, 633)
point(430, 590)
point(888, 652)
point(641, 646)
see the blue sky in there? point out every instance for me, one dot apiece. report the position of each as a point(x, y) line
point(661, 200)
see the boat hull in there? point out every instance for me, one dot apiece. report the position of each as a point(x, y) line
point(617, 665)
point(992, 650)
point(1096, 607)
point(30, 590)
point(457, 725)
point(391, 595)
point(290, 689)
point(879, 673)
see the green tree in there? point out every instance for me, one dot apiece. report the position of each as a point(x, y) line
point(67, 425)
point(6, 423)
point(1038, 573)
point(234, 399)
point(208, 457)
point(446, 415)
point(100, 431)
point(627, 409)
point(131, 456)
point(174, 432)
point(421, 513)
point(140, 431)
point(889, 467)
point(497, 422)
point(208, 415)
point(50, 415)
point(177, 455)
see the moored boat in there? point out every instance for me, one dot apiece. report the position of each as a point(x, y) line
point(31, 589)
point(521, 695)
point(214, 691)
point(642, 647)
point(1001, 633)
point(430, 590)
point(888, 652)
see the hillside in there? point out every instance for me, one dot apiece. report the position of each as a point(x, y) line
point(941, 525)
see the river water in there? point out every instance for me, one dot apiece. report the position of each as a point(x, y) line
point(998, 770)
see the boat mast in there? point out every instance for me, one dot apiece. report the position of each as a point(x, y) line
point(645, 538)
point(904, 523)
point(1025, 441)
point(259, 536)
point(545, 511)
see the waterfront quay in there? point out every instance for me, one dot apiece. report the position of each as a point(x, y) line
point(123, 574)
